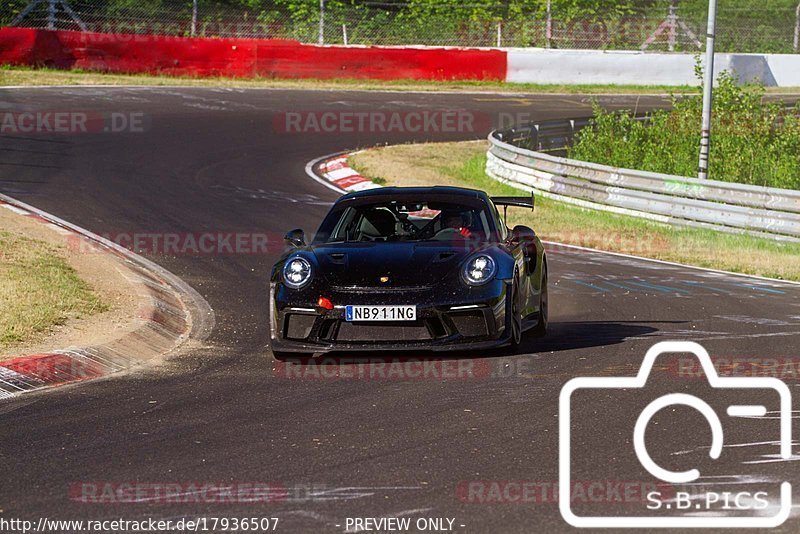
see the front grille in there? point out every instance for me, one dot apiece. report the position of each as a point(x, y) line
point(470, 324)
point(299, 326)
point(379, 289)
point(410, 331)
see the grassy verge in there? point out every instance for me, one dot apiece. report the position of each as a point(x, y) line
point(464, 163)
point(38, 290)
point(29, 76)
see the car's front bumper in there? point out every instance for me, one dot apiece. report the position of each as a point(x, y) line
point(472, 319)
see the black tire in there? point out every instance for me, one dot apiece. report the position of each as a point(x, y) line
point(515, 319)
point(540, 330)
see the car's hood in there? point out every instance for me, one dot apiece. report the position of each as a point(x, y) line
point(405, 264)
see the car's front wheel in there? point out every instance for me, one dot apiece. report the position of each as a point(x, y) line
point(541, 327)
point(516, 314)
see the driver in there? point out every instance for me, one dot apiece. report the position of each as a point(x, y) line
point(456, 221)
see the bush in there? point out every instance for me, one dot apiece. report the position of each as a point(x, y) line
point(752, 142)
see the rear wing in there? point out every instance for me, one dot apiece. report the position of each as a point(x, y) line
point(517, 202)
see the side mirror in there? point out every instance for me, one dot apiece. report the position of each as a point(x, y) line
point(521, 234)
point(295, 238)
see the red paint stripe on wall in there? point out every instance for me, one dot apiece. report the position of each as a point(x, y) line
point(243, 57)
point(308, 61)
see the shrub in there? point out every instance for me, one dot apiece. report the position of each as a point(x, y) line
point(753, 142)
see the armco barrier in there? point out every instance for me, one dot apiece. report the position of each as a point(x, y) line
point(678, 200)
point(243, 57)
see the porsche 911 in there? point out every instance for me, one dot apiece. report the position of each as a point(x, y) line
point(418, 268)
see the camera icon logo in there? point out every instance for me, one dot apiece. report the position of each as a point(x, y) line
point(719, 519)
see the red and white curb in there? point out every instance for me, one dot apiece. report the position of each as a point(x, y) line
point(344, 178)
point(169, 312)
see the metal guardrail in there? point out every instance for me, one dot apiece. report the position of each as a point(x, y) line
point(531, 157)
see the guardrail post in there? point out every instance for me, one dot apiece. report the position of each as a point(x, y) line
point(51, 15)
point(708, 90)
point(321, 39)
point(673, 26)
point(797, 28)
point(194, 18)
point(571, 131)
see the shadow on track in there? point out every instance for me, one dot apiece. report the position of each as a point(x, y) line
point(563, 336)
point(560, 337)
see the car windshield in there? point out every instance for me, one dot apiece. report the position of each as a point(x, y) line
point(398, 220)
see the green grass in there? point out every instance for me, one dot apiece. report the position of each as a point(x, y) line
point(38, 290)
point(27, 76)
point(30, 76)
point(464, 164)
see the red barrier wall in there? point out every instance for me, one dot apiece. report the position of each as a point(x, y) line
point(243, 57)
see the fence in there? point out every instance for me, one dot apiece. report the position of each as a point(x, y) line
point(530, 157)
point(766, 26)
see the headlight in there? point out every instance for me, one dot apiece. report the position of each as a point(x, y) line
point(479, 270)
point(297, 273)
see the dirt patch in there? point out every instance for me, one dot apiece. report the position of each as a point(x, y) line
point(417, 165)
point(102, 273)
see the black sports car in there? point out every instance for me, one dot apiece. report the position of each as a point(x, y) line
point(410, 268)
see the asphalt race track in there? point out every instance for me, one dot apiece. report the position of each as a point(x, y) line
point(429, 446)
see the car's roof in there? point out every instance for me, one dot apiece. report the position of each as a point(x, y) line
point(436, 191)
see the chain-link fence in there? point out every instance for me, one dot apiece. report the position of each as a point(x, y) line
point(679, 25)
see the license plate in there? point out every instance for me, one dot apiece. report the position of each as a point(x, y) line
point(380, 313)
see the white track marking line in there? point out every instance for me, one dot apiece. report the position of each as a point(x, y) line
point(15, 209)
point(673, 264)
